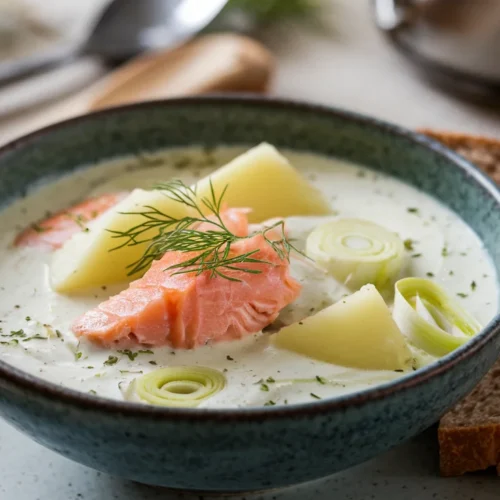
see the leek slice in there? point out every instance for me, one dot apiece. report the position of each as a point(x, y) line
point(179, 386)
point(430, 318)
point(357, 252)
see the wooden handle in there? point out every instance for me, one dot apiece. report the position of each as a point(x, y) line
point(210, 63)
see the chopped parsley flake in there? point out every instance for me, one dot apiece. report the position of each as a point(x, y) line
point(111, 360)
point(270, 380)
point(270, 403)
point(473, 285)
point(127, 352)
point(408, 243)
point(146, 351)
point(315, 396)
point(16, 333)
point(451, 273)
point(153, 363)
point(264, 387)
point(430, 275)
point(462, 295)
point(39, 229)
point(416, 255)
point(92, 392)
point(412, 210)
point(78, 355)
point(38, 337)
point(321, 380)
point(10, 342)
point(229, 358)
point(444, 252)
point(28, 318)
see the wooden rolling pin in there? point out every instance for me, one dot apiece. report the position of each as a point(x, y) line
point(207, 64)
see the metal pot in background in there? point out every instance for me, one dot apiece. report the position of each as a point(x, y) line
point(455, 42)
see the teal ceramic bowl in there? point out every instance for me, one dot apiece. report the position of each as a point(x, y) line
point(258, 448)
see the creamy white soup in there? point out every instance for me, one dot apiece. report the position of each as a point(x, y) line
point(36, 320)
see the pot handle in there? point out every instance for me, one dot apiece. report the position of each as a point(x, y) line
point(392, 15)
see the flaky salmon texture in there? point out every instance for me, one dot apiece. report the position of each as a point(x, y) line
point(54, 231)
point(187, 310)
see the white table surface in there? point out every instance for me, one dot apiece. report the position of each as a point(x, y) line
point(355, 69)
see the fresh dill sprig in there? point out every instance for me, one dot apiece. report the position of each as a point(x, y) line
point(210, 249)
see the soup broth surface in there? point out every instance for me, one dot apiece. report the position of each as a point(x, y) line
point(444, 248)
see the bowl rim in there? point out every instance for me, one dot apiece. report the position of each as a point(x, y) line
point(88, 402)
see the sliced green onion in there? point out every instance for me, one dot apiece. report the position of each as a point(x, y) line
point(430, 318)
point(357, 252)
point(179, 386)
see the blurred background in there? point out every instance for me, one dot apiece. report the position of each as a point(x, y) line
point(419, 63)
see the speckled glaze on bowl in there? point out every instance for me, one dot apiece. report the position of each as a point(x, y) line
point(259, 448)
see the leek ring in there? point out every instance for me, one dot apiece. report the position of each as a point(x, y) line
point(430, 318)
point(179, 386)
point(357, 252)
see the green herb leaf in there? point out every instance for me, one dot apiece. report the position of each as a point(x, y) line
point(16, 333)
point(111, 360)
point(264, 387)
point(408, 243)
point(212, 248)
point(127, 352)
point(315, 396)
point(270, 403)
point(36, 337)
point(321, 380)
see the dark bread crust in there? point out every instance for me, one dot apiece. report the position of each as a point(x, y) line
point(469, 434)
point(484, 152)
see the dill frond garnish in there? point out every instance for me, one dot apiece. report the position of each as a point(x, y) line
point(211, 247)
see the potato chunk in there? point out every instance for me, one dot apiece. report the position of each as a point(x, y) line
point(263, 180)
point(87, 260)
point(358, 331)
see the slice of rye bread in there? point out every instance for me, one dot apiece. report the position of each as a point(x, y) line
point(469, 434)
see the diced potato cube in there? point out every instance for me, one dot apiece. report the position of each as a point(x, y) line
point(358, 331)
point(262, 179)
point(87, 258)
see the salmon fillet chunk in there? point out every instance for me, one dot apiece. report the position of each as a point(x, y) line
point(189, 310)
point(55, 230)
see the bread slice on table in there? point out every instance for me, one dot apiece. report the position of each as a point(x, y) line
point(469, 435)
